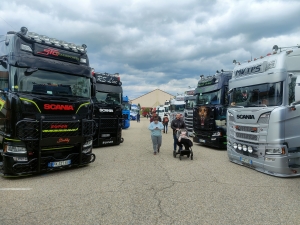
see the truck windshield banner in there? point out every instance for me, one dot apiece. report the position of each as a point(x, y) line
point(46, 51)
point(259, 68)
point(192, 92)
point(105, 78)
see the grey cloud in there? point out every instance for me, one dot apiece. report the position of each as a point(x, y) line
point(165, 44)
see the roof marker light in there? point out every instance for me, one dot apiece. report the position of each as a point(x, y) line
point(32, 35)
point(54, 41)
point(64, 44)
point(45, 38)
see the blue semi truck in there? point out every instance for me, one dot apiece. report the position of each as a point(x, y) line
point(126, 107)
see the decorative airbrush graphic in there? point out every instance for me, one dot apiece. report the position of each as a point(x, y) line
point(204, 115)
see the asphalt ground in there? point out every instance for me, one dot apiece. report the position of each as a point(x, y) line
point(127, 184)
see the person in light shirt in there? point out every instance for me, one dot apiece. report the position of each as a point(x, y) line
point(156, 127)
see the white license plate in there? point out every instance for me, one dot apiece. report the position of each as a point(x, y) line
point(201, 140)
point(60, 163)
point(247, 161)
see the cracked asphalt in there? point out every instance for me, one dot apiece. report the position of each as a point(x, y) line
point(127, 184)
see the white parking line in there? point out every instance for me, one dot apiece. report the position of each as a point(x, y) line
point(15, 189)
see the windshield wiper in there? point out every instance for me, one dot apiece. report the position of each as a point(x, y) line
point(35, 92)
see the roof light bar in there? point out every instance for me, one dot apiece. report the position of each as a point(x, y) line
point(43, 38)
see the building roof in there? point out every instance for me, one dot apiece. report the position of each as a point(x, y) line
point(151, 92)
point(152, 98)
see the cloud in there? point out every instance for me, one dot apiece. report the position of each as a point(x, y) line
point(160, 44)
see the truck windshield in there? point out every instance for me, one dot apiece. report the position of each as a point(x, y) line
point(109, 98)
point(49, 83)
point(213, 97)
point(257, 95)
point(126, 106)
point(177, 108)
point(161, 110)
point(190, 103)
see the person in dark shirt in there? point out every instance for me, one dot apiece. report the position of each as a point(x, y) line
point(176, 125)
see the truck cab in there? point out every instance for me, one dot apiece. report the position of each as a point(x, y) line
point(45, 106)
point(210, 111)
point(264, 113)
point(108, 109)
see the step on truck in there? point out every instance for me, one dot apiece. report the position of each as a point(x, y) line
point(264, 113)
point(45, 108)
point(190, 102)
point(210, 110)
point(108, 109)
point(126, 107)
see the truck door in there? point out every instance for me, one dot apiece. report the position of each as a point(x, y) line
point(292, 115)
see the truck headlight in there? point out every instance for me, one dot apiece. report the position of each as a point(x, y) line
point(88, 143)
point(235, 145)
point(245, 148)
point(217, 134)
point(87, 150)
point(15, 149)
point(274, 151)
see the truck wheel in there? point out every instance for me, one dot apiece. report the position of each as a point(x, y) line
point(122, 140)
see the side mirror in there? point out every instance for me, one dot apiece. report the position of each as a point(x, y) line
point(93, 91)
point(3, 62)
point(297, 89)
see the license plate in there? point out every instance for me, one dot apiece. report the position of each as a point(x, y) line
point(201, 140)
point(60, 163)
point(247, 161)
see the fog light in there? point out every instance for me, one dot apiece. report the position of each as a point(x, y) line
point(20, 159)
point(240, 147)
point(250, 149)
point(244, 148)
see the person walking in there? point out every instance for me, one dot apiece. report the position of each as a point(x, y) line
point(155, 115)
point(176, 125)
point(156, 127)
point(165, 123)
point(138, 117)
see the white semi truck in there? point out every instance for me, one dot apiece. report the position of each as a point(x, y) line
point(264, 113)
point(177, 106)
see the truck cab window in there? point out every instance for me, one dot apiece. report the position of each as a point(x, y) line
point(292, 86)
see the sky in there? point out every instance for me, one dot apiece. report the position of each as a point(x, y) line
point(163, 44)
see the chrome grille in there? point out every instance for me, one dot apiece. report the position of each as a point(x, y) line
point(246, 129)
point(231, 118)
point(247, 136)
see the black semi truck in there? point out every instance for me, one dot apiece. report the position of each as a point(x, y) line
point(45, 105)
point(210, 111)
point(108, 109)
